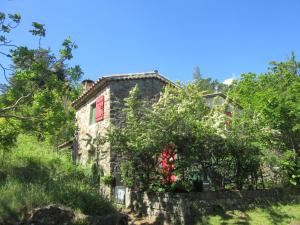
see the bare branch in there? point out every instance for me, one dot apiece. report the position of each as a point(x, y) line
point(11, 26)
point(4, 73)
point(5, 54)
point(6, 44)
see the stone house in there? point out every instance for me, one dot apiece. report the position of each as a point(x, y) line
point(101, 105)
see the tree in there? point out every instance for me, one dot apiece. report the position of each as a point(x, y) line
point(8, 22)
point(8, 135)
point(275, 96)
point(197, 74)
point(41, 86)
point(207, 84)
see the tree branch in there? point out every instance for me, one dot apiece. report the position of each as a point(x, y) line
point(5, 54)
point(6, 44)
point(4, 73)
point(15, 104)
point(19, 117)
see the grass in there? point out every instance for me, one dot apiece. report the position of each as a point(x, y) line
point(270, 215)
point(33, 174)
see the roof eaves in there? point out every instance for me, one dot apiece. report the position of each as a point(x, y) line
point(97, 84)
point(130, 76)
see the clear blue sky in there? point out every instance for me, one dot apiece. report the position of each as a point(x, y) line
point(173, 36)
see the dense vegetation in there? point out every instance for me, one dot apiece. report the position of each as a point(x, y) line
point(256, 147)
point(35, 174)
point(275, 98)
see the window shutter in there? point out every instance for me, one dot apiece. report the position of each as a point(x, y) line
point(100, 108)
point(228, 114)
point(168, 163)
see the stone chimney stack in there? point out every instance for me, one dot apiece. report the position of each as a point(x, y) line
point(87, 84)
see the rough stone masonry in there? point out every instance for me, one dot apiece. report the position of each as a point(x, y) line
point(112, 89)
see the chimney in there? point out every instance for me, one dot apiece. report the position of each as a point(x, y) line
point(87, 84)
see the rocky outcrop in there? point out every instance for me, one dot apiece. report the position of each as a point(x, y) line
point(50, 215)
point(112, 219)
point(61, 215)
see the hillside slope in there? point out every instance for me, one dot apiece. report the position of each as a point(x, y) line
point(33, 174)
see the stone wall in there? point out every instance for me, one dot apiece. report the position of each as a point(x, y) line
point(114, 94)
point(187, 208)
point(84, 128)
point(150, 90)
point(84, 153)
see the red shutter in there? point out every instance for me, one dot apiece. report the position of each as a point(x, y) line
point(100, 108)
point(228, 119)
point(228, 113)
point(168, 158)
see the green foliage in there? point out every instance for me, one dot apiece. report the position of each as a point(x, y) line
point(40, 90)
point(107, 180)
point(34, 174)
point(7, 23)
point(38, 29)
point(237, 152)
point(203, 143)
point(180, 186)
point(66, 51)
point(207, 84)
point(291, 164)
point(41, 86)
point(275, 97)
point(147, 131)
point(8, 133)
point(126, 171)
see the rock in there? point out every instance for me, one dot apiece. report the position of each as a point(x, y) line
point(61, 215)
point(111, 219)
point(9, 221)
point(50, 215)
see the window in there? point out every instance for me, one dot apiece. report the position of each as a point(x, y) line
point(93, 113)
point(97, 110)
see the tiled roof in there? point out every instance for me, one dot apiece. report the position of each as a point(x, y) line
point(102, 81)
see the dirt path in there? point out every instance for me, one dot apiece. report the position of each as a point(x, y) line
point(140, 221)
point(135, 220)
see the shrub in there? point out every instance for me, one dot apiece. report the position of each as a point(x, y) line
point(108, 180)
